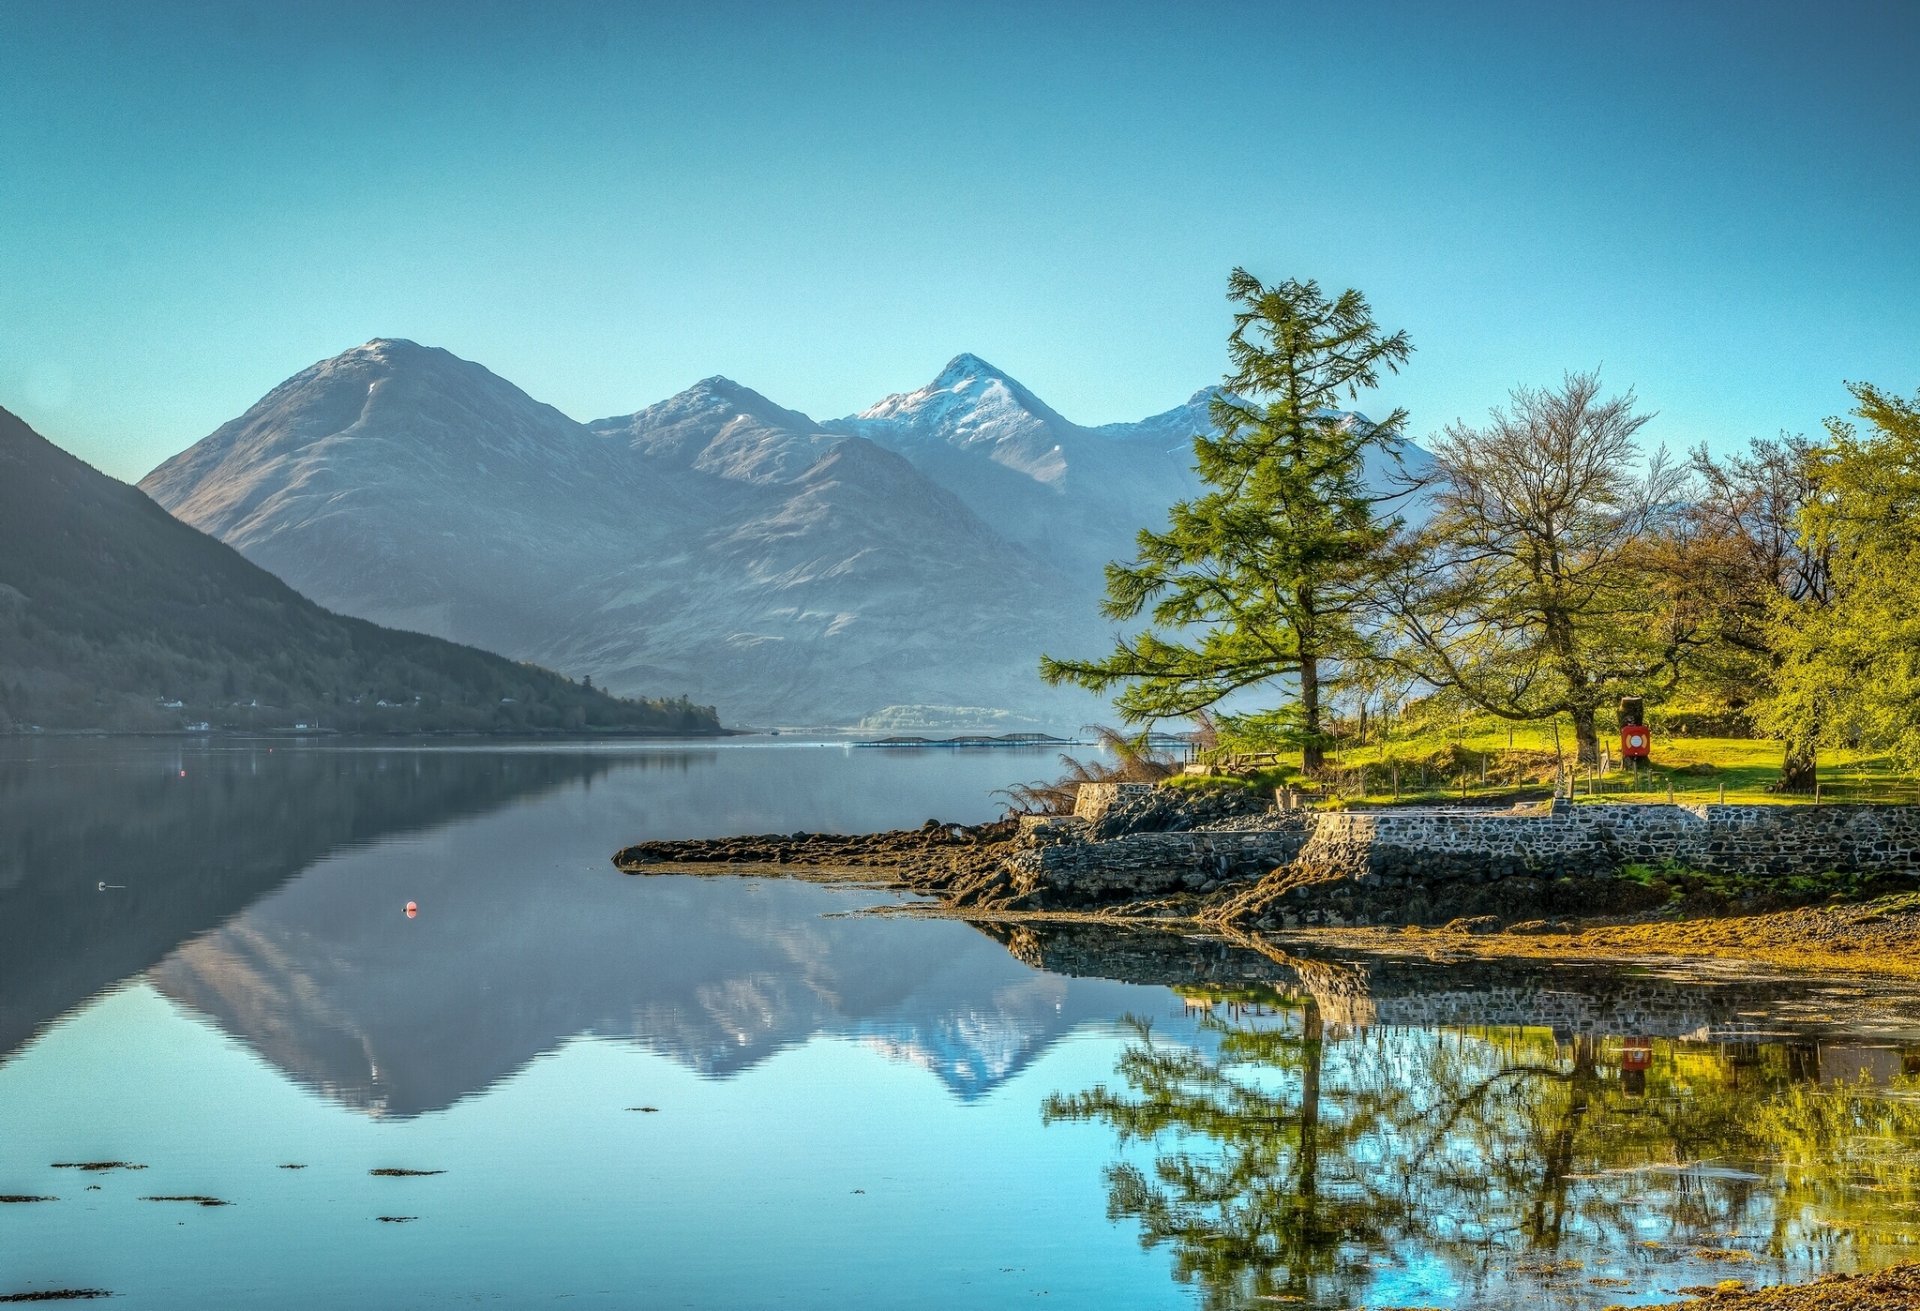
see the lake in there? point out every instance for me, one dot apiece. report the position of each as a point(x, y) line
point(718, 1092)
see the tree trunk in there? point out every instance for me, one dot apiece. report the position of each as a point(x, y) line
point(1586, 737)
point(1314, 1035)
point(1312, 753)
point(1548, 1219)
point(1797, 774)
point(1308, 1236)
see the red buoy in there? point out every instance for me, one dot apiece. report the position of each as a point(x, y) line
point(412, 909)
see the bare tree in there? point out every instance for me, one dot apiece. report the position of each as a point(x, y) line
point(1533, 590)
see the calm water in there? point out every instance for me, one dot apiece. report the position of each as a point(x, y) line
point(848, 1108)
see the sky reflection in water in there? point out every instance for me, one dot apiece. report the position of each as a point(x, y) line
point(851, 1109)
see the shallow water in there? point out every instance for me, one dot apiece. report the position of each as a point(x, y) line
point(849, 1109)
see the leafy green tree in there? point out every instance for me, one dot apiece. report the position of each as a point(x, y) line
point(1744, 573)
point(1534, 590)
point(1270, 574)
point(1849, 671)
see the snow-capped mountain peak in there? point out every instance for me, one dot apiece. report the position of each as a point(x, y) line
point(971, 406)
point(966, 367)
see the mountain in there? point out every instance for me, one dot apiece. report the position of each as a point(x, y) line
point(904, 565)
point(1175, 428)
point(115, 614)
point(386, 481)
point(714, 544)
point(824, 579)
point(1073, 496)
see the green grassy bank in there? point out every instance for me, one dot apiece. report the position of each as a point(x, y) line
point(1489, 760)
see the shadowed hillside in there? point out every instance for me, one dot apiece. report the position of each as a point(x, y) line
point(114, 614)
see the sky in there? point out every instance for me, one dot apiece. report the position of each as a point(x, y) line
point(1716, 204)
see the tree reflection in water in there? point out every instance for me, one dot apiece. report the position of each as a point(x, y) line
point(1292, 1160)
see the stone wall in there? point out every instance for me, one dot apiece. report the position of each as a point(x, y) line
point(1772, 841)
point(1064, 869)
point(1430, 865)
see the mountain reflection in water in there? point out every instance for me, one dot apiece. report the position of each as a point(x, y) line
point(260, 893)
point(190, 836)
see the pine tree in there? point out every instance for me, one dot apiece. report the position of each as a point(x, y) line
point(1268, 575)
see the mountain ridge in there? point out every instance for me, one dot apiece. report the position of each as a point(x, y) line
point(914, 556)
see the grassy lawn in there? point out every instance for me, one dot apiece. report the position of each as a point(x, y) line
point(1441, 764)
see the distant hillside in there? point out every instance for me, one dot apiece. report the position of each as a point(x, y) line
point(114, 614)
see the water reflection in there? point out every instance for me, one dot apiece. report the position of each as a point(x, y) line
point(1331, 1131)
point(1282, 1154)
point(400, 1018)
point(262, 889)
point(188, 836)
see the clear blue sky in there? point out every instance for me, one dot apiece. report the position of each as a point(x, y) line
point(1717, 202)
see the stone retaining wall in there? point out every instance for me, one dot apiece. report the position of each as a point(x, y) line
point(1068, 871)
point(1432, 864)
point(1094, 800)
point(1772, 841)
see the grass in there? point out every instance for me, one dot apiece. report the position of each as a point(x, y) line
point(1446, 763)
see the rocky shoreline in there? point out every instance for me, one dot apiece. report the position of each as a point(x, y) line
point(1896, 1288)
point(1590, 880)
point(1232, 857)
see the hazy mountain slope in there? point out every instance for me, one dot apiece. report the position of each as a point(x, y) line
point(719, 427)
point(109, 607)
point(831, 577)
point(405, 485)
point(714, 544)
point(1068, 494)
